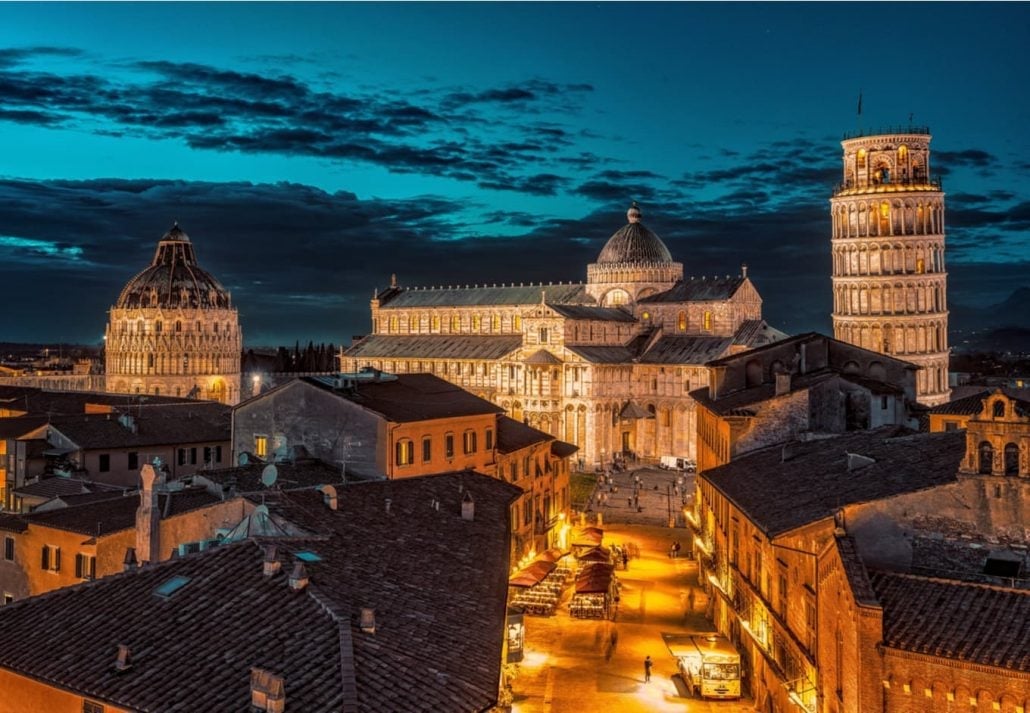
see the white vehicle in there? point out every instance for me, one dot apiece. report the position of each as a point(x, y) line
point(709, 664)
point(678, 463)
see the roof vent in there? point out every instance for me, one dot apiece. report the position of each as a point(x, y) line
point(299, 577)
point(857, 462)
point(468, 507)
point(122, 663)
point(368, 620)
point(388, 503)
point(267, 691)
point(271, 562)
point(789, 451)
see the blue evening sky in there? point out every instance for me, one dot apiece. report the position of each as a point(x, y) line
point(311, 150)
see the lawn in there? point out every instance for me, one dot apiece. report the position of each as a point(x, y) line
point(581, 486)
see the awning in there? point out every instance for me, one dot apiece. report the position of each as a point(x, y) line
point(631, 410)
point(533, 574)
point(588, 536)
point(552, 555)
point(595, 554)
point(594, 578)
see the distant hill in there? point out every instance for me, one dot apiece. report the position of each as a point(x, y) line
point(1004, 326)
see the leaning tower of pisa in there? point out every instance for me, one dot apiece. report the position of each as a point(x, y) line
point(889, 281)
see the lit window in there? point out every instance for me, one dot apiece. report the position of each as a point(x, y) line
point(260, 447)
point(413, 323)
point(476, 322)
point(393, 323)
point(469, 442)
point(861, 158)
point(681, 322)
point(436, 323)
point(518, 323)
point(495, 323)
point(456, 323)
point(708, 321)
point(405, 452)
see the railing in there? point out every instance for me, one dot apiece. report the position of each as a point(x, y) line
point(930, 183)
point(860, 133)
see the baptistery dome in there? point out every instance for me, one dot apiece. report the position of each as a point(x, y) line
point(634, 243)
point(173, 330)
point(174, 279)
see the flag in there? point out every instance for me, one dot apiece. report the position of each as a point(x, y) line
point(860, 102)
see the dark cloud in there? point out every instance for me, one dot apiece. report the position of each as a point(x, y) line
point(969, 157)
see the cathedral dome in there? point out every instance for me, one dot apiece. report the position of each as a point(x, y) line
point(633, 243)
point(174, 279)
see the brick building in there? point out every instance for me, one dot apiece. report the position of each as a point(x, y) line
point(405, 622)
point(801, 387)
point(806, 547)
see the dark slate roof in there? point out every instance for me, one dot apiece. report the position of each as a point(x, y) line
point(191, 422)
point(636, 244)
point(675, 349)
point(410, 397)
point(116, 514)
point(36, 401)
point(757, 333)
point(973, 404)
point(590, 312)
point(435, 346)
point(602, 354)
point(439, 605)
point(12, 523)
point(746, 398)
point(514, 435)
point(976, 623)
point(855, 571)
point(814, 482)
point(296, 475)
point(19, 426)
point(485, 296)
point(561, 449)
point(54, 487)
point(699, 289)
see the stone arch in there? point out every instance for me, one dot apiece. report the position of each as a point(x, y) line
point(1011, 459)
point(985, 454)
point(851, 367)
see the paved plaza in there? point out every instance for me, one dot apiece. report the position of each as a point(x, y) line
point(570, 665)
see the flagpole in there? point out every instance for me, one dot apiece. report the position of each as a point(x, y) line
point(858, 118)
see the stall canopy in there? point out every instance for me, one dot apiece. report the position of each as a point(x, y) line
point(551, 555)
point(594, 578)
point(588, 536)
point(532, 575)
point(595, 554)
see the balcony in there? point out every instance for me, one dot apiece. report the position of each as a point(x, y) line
point(904, 185)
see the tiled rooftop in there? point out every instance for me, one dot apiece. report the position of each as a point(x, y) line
point(38, 401)
point(855, 571)
point(410, 397)
point(514, 435)
point(471, 296)
point(973, 404)
point(192, 422)
point(296, 475)
point(439, 606)
point(699, 289)
point(675, 349)
point(977, 623)
point(814, 482)
point(591, 312)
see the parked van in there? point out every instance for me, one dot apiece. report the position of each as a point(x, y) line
point(709, 663)
point(678, 463)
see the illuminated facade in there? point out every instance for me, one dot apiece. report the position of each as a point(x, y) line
point(606, 365)
point(889, 281)
point(174, 331)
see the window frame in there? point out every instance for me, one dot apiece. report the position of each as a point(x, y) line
point(9, 548)
point(448, 441)
point(427, 449)
point(50, 559)
point(469, 442)
point(104, 462)
point(404, 452)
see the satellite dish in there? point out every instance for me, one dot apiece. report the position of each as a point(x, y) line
point(269, 475)
point(243, 459)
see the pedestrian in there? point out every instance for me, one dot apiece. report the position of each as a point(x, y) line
point(615, 639)
point(690, 601)
point(647, 669)
point(625, 560)
point(676, 548)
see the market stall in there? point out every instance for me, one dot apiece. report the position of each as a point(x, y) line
point(586, 538)
point(596, 588)
point(537, 588)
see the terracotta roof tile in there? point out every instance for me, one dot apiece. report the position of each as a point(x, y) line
point(978, 623)
point(115, 514)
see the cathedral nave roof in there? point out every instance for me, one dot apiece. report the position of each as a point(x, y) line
point(435, 346)
point(699, 290)
point(590, 312)
point(484, 296)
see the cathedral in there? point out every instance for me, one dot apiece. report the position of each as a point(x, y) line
point(606, 365)
point(173, 330)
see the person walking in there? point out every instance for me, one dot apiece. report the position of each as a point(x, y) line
point(647, 669)
point(690, 601)
point(625, 560)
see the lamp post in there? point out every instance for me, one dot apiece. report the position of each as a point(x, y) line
point(257, 384)
point(668, 502)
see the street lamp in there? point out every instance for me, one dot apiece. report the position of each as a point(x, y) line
point(257, 384)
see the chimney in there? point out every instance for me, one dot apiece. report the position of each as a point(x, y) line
point(789, 450)
point(122, 663)
point(271, 564)
point(468, 507)
point(368, 620)
point(129, 563)
point(329, 497)
point(148, 516)
point(857, 462)
point(299, 577)
point(267, 691)
point(388, 503)
point(782, 384)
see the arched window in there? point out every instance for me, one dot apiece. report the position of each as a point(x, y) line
point(616, 297)
point(518, 323)
point(157, 327)
point(393, 323)
point(986, 458)
point(902, 153)
point(861, 158)
point(1011, 459)
point(436, 323)
point(681, 321)
point(412, 323)
point(178, 326)
point(476, 323)
point(405, 452)
point(495, 323)
point(707, 321)
point(999, 409)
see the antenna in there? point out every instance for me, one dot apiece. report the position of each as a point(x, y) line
point(269, 475)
